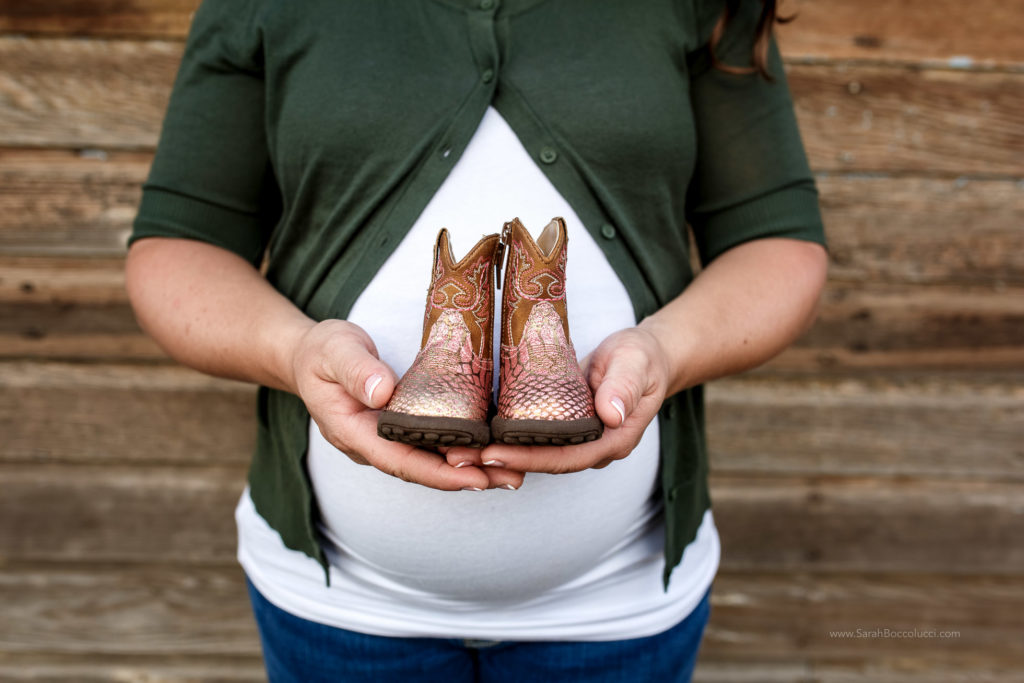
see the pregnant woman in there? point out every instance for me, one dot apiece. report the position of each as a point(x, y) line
point(310, 153)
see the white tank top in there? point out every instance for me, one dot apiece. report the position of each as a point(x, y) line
point(566, 557)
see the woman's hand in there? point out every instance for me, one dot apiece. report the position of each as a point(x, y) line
point(343, 382)
point(629, 374)
point(745, 307)
point(211, 310)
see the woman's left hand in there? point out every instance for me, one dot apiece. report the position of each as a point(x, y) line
point(629, 374)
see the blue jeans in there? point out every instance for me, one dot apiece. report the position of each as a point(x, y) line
point(296, 649)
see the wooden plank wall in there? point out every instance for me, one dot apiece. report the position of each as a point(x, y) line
point(869, 478)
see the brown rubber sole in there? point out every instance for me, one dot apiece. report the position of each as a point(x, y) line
point(421, 430)
point(546, 432)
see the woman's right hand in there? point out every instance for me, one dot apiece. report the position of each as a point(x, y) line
point(212, 310)
point(343, 382)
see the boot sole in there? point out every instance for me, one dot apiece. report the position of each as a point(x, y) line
point(422, 430)
point(546, 432)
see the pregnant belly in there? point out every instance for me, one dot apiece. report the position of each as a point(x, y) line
point(481, 546)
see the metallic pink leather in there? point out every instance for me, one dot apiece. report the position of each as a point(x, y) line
point(540, 378)
point(448, 378)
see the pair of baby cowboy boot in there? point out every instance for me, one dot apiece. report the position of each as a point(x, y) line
point(445, 398)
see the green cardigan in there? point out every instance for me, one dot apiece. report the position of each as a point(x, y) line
point(318, 130)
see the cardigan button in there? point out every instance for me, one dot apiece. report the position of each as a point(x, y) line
point(487, 75)
point(608, 231)
point(548, 155)
point(667, 411)
point(673, 493)
point(486, 4)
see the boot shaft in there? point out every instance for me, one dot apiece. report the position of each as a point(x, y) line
point(534, 274)
point(463, 288)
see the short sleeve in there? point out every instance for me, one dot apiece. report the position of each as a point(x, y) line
point(752, 178)
point(211, 177)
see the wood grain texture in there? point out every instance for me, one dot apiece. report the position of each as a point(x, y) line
point(73, 331)
point(978, 34)
point(923, 230)
point(62, 202)
point(953, 426)
point(920, 669)
point(84, 93)
point(112, 513)
point(901, 327)
point(51, 668)
point(99, 513)
point(168, 18)
point(146, 609)
point(931, 121)
point(56, 93)
point(70, 308)
point(869, 524)
point(104, 413)
point(765, 616)
point(61, 280)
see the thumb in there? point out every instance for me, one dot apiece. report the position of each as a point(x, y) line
point(355, 366)
point(619, 388)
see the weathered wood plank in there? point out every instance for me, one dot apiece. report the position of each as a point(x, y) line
point(764, 616)
point(869, 524)
point(48, 668)
point(169, 18)
point(870, 118)
point(808, 359)
point(62, 202)
point(112, 513)
point(84, 93)
point(71, 308)
point(945, 327)
point(966, 427)
point(127, 513)
point(135, 610)
point(922, 669)
point(62, 280)
point(923, 230)
point(86, 347)
point(72, 331)
point(979, 34)
point(81, 618)
point(106, 413)
point(941, 32)
point(57, 93)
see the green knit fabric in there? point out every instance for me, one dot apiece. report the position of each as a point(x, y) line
point(316, 131)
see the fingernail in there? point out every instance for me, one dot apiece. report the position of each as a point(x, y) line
point(471, 488)
point(371, 384)
point(620, 408)
point(507, 487)
point(464, 463)
point(494, 463)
